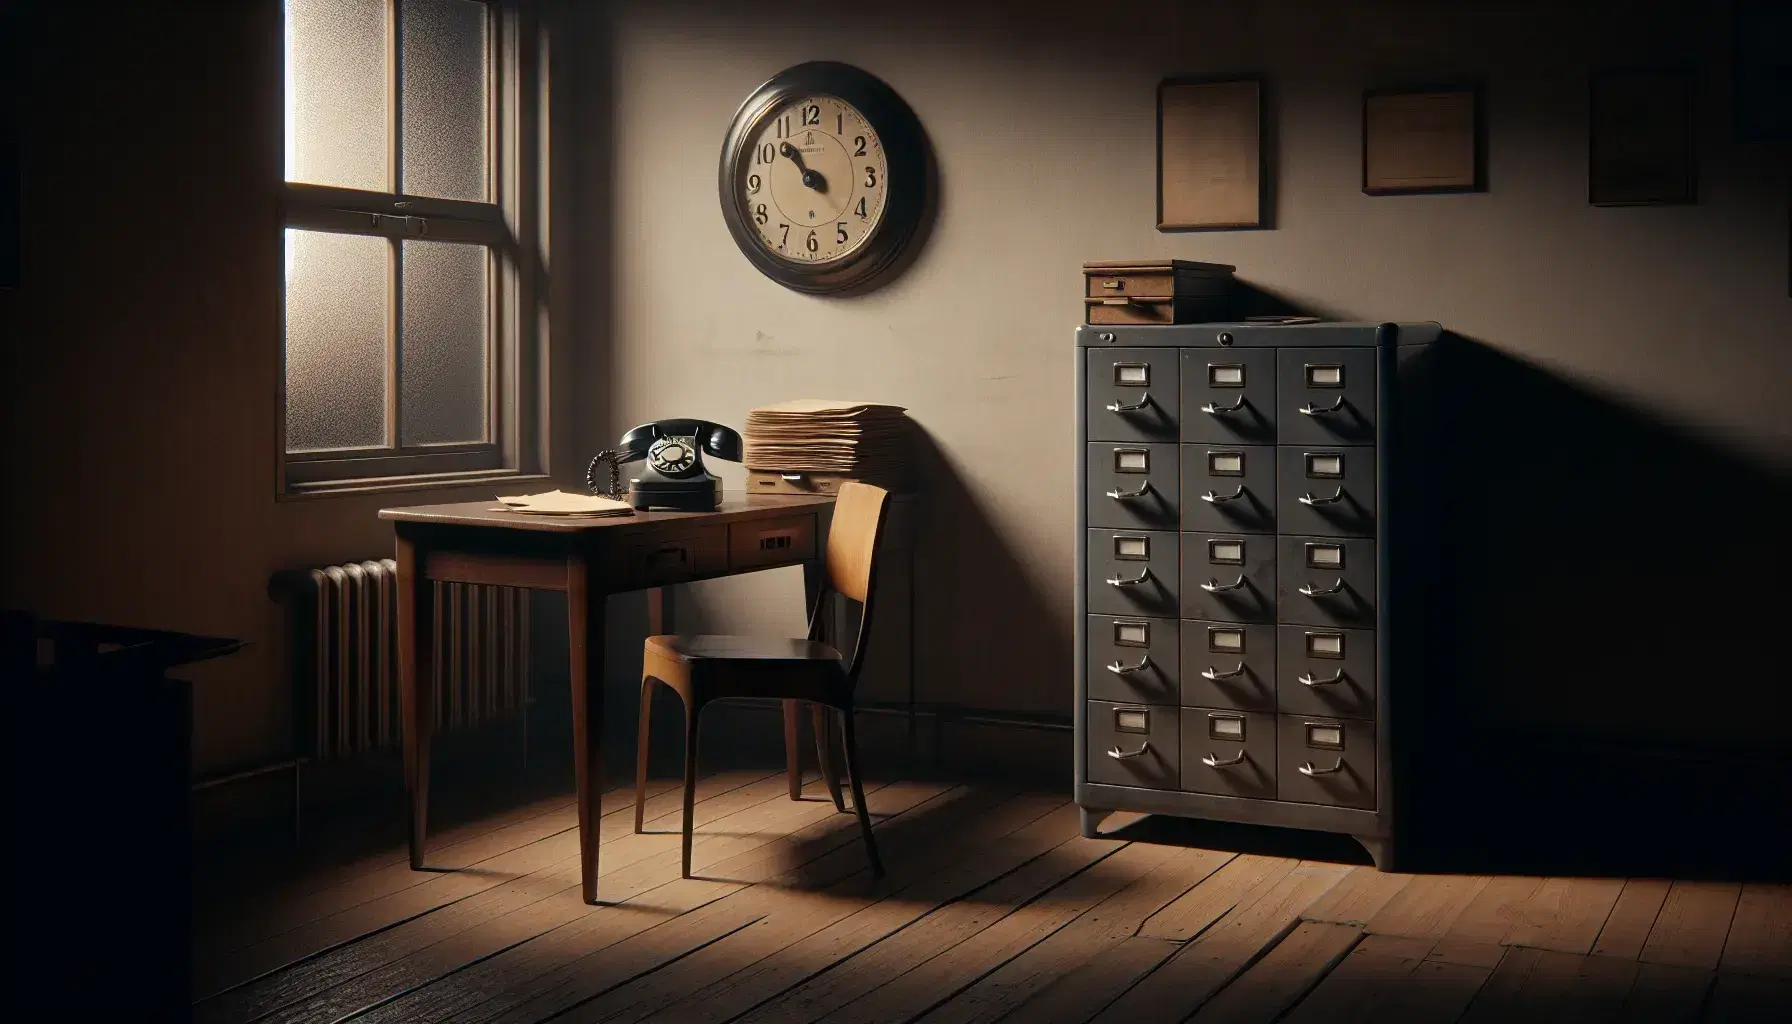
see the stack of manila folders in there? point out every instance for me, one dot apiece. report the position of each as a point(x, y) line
point(566, 505)
point(854, 440)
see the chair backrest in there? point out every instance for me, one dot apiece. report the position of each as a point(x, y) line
point(853, 538)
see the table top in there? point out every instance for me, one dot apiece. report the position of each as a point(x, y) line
point(736, 506)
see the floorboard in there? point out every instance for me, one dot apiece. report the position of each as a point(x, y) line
point(994, 908)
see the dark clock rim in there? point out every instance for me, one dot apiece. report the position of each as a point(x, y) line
point(903, 143)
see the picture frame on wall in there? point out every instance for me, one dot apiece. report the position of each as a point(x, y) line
point(1640, 138)
point(1423, 140)
point(1210, 154)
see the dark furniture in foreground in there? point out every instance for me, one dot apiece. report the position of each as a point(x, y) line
point(101, 770)
point(588, 559)
point(1251, 544)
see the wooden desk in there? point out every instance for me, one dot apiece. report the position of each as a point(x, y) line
point(589, 559)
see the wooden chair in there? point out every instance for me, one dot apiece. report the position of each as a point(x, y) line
point(701, 669)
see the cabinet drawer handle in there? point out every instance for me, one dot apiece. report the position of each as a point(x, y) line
point(1115, 284)
point(1213, 762)
point(1306, 679)
point(1144, 576)
point(1212, 673)
point(1216, 587)
point(1217, 498)
point(1337, 406)
point(1118, 406)
point(1127, 670)
point(1308, 768)
point(1312, 591)
point(1308, 499)
point(1224, 410)
point(1119, 495)
point(1120, 755)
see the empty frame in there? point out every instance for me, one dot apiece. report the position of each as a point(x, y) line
point(1422, 141)
point(1640, 148)
point(1209, 154)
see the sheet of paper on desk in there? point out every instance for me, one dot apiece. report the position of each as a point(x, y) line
point(566, 503)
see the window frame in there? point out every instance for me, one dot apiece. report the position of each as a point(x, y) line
point(509, 224)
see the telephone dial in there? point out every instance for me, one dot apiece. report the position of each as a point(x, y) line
point(675, 477)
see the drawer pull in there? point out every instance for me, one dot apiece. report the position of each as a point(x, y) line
point(1215, 674)
point(1216, 587)
point(1127, 670)
point(1120, 495)
point(1336, 588)
point(1144, 576)
point(1307, 768)
point(1306, 679)
point(1120, 755)
point(1224, 410)
point(1118, 406)
point(1214, 762)
point(1337, 406)
point(1116, 284)
point(1217, 498)
point(1308, 499)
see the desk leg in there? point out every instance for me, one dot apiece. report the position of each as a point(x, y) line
point(585, 634)
point(793, 727)
point(416, 642)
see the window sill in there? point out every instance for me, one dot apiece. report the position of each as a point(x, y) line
point(422, 482)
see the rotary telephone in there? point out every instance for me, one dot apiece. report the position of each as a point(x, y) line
point(675, 477)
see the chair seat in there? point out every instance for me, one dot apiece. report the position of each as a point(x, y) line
point(718, 647)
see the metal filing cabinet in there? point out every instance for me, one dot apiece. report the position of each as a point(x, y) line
point(1239, 615)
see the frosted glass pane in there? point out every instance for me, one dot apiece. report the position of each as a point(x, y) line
point(442, 351)
point(335, 340)
point(442, 96)
point(336, 93)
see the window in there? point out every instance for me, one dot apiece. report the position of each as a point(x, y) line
point(405, 360)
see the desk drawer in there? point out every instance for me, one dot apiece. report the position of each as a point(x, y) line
point(1133, 486)
point(1229, 665)
point(1326, 581)
point(1132, 659)
point(1231, 753)
point(1132, 572)
point(1338, 752)
point(674, 558)
point(771, 542)
point(1133, 744)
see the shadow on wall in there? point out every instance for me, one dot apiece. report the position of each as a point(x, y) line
point(1614, 671)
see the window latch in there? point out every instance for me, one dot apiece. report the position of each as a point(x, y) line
point(389, 224)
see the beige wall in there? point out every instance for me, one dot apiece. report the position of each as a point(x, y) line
point(1042, 121)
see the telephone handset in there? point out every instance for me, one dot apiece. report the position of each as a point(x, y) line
point(675, 477)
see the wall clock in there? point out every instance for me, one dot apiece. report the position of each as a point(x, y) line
point(823, 177)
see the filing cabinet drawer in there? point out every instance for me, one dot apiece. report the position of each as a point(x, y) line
point(1229, 576)
point(1325, 395)
point(1323, 670)
point(1328, 491)
point(1326, 761)
point(1133, 486)
point(1133, 659)
point(1132, 572)
point(1231, 753)
point(771, 541)
point(1326, 581)
point(1229, 396)
point(1132, 394)
point(1229, 488)
point(1228, 665)
point(655, 561)
point(1133, 744)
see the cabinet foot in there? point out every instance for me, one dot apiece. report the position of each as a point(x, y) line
point(1092, 820)
point(1381, 851)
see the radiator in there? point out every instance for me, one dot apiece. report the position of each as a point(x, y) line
point(343, 644)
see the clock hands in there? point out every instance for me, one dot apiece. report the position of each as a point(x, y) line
point(811, 179)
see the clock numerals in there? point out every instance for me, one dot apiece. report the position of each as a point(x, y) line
point(783, 239)
point(753, 184)
point(767, 153)
point(840, 232)
point(858, 145)
point(759, 214)
point(839, 123)
point(812, 244)
point(811, 114)
point(861, 209)
point(870, 177)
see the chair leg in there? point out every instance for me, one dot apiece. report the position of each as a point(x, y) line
point(824, 746)
point(793, 752)
point(858, 791)
point(641, 749)
point(691, 712)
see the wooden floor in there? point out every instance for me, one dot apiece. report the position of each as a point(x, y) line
point(994, 908)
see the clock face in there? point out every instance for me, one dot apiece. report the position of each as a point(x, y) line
point(812, 186)
point(824, 178)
